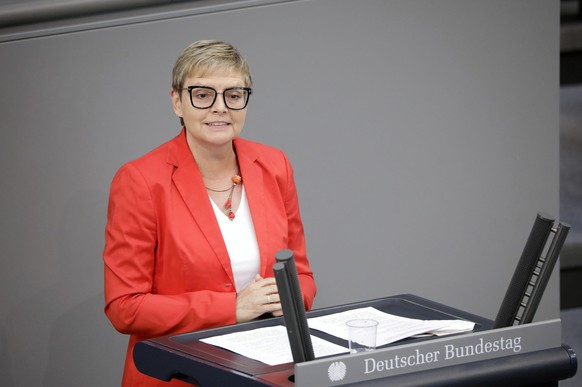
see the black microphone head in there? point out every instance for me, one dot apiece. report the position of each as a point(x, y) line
point(278, 267)
point(284, 255)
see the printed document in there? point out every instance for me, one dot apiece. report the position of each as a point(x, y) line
point(270, 345)
point(391, 328)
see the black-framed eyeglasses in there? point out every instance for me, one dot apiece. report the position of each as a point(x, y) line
point(203, 97)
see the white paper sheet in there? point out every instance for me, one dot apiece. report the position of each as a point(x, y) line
point(391, 328)
point(270, 345)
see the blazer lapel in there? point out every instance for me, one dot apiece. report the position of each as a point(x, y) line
point(253, 184)
point(189, 183)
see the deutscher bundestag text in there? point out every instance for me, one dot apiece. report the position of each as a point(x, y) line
point(448, 353)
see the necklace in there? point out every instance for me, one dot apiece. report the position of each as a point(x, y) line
point(236, 179)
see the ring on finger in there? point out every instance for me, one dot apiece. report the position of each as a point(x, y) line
point(268, 299)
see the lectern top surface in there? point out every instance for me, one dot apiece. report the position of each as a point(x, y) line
point(410, 306)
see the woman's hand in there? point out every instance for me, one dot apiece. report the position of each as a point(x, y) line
point(259, 297)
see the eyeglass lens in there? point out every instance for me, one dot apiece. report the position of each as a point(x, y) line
point(203, 97)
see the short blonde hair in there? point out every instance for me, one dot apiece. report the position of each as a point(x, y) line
point(205, 56)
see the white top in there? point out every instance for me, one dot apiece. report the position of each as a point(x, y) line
point(241, 242)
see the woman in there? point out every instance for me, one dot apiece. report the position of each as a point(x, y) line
point(193, 226)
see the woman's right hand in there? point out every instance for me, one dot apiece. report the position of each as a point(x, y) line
point(259, 297)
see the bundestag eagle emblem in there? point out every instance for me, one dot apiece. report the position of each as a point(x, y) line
point(336, 371)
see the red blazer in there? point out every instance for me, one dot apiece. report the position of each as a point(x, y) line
point(167, 269)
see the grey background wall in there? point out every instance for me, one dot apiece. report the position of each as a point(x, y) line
point(424, 137)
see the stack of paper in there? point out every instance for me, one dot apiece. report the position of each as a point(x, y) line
point(391, 328)
point(270, 345)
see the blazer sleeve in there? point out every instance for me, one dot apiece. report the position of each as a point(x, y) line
point(296, 239)
point(129, 263)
